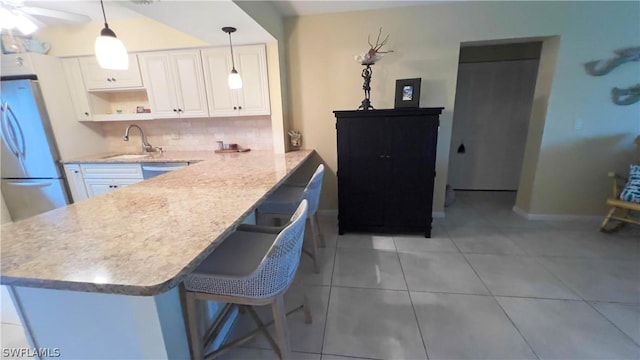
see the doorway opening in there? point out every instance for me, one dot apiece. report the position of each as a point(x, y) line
point(494, 97)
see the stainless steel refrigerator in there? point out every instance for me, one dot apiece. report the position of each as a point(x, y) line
point(32, 177)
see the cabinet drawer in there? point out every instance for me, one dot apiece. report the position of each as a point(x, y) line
point(111, 171)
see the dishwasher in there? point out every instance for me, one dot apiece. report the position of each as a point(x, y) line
point(154, 169)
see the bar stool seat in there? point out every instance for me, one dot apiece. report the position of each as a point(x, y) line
point(248, 268)
point(285, 199)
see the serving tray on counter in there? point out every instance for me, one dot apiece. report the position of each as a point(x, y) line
point(231, 151)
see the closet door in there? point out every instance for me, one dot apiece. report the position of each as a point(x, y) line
point(493, 107)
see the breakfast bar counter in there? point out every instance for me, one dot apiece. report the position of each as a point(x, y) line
point(129, 249)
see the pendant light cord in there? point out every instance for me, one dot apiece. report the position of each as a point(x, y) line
point(233, 64)
point(104, 15)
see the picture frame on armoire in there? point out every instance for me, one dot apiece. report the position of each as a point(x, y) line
point(408, 93)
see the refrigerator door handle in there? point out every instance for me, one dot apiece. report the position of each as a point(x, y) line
point(30, 183)
point(11, 125)
point(9, 140)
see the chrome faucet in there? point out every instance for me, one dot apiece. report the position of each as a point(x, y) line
point(146, 147)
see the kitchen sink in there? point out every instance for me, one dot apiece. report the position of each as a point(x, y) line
point(128, 157)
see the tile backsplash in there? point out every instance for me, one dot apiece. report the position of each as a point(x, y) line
point(192, 134)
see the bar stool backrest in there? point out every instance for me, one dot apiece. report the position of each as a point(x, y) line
point(275, 272)
point(313, 189)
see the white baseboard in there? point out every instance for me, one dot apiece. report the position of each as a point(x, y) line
point(520, 212)
point(554, 217)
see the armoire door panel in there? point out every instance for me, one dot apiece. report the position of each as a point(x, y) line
point(386, 167)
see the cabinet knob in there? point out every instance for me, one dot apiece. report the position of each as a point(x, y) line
point(235, 108)
point(75, 171)
point(180, 110)
point(108, 79)
point(175, 110)
point(86, 113)
point(382, 156)
point(240, 107)
point(113, 79)
point(388, 156)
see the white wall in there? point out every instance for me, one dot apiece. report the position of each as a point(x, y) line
point(570, 171)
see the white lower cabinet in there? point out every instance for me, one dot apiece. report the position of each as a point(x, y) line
point(97, 187)
point(75, 182)
point(102, 178)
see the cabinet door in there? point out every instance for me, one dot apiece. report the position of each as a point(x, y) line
point(412, 147)
point(120, 183)
point(222, 101)
point(362, 169)
point(189, 84)
point(77, 90)
point(158, 79)
point(76, 182)
point(97, 187)
point(251, 63)
point(96, 77)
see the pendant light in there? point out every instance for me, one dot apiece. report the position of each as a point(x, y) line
point(235, 81)
point(110, 51)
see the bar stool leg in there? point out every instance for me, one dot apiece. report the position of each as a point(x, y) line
point(317, 226)
point(314, 246)
point(280, 320)
point(307, 310)
point(192, 319)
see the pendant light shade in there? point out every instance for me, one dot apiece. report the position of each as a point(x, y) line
point(110, 51)
point(235, 81)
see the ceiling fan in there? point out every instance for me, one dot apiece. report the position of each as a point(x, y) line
point(20, 15)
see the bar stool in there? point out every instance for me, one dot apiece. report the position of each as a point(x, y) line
point(248, 268)
point(286, 198)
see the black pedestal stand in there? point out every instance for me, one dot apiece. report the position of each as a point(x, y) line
point(366, 75)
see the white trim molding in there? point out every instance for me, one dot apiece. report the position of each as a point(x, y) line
point(556, 217)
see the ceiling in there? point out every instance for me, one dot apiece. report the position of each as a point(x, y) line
point(312, 7)
point(202, 19)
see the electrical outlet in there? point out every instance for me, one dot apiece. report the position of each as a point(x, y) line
point(578, 124)
point(176, 135)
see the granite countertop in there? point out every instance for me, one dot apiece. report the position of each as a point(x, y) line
point(144, 238)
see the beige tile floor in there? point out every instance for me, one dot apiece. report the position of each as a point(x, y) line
point(488, 285)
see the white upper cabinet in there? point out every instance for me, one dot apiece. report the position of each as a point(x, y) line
point(251, 64)
point(97, 78)
point(77, 90)
point(175, 83)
